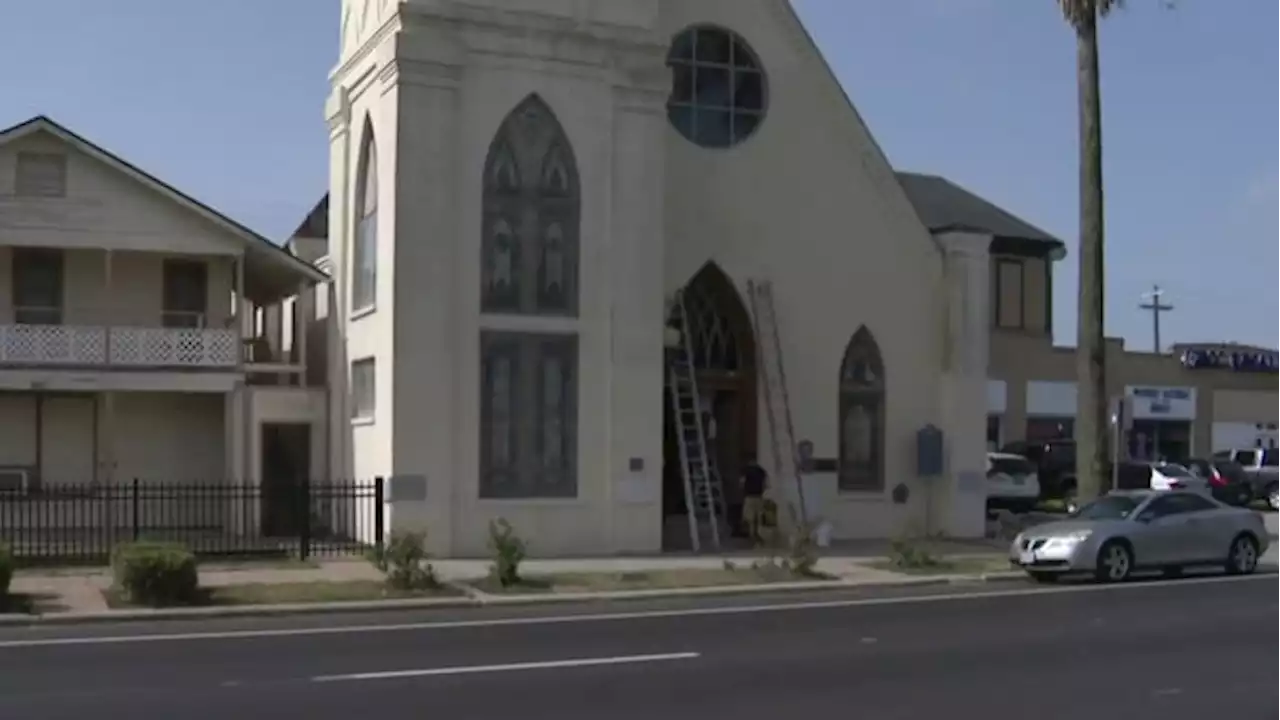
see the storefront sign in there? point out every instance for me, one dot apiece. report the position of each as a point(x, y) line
point(1162, 403)
point(1261, 361)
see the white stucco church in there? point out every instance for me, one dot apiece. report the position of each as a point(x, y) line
point(523, 193)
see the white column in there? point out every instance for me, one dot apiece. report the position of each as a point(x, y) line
point(419, 144)
point(632, 380)
point(960, 496)
point(304, 311)
point(338, 113)
point(234, 452)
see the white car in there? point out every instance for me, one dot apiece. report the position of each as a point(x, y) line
point(1012, 483)
point(1161, 476)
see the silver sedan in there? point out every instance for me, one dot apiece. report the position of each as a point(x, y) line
point(1125, 531)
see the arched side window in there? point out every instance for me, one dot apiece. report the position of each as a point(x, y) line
point(532, 204)
point(364, 243)
point(862, 415)
point(529, 267)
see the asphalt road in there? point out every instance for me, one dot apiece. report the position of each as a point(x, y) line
point(1171, 651)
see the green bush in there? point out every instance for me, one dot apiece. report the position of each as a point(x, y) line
point(6, 570)
point(802, 546)
point(155, 574)
point(911, 554)
point(404, 562)
point(508, 552)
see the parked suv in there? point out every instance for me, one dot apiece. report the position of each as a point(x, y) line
point(1055, 462)
point(1260, 466)
point(1011, 483)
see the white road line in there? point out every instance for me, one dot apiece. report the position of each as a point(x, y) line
point(509, 667)
point(624, 616)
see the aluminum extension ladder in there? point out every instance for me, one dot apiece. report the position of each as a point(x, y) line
point(773, 376)
point(703, 496)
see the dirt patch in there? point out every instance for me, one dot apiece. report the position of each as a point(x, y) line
point(296, 593)
point(946, 566)
point(647, 580)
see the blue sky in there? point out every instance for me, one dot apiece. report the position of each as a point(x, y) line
point(225, 101)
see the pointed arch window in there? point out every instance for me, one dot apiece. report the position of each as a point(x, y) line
point(364, 245)
point(529, 267)
point(532, 204)
point(862, 415)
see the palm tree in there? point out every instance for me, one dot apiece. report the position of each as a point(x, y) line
point(1092, 421)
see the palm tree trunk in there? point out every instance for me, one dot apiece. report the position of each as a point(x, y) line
point(1092, 411)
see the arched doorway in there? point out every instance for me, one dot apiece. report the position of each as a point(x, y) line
point(724, 357)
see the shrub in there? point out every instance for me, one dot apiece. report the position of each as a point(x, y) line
point(802, 546)
point(794, 552)
point(508, 552)
point(910, 554)
point(155, 573)
point(6, 570)
point(404, 562)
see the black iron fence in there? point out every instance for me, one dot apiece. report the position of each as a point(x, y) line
point(71, 524)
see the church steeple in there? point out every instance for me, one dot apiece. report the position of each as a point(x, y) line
point(360, 18)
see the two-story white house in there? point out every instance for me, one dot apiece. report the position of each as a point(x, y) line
point(133, 333)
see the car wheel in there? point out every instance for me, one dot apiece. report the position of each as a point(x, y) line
point(1273, 496)
point(1242, 559)
point(1115, 562)
point(1044, 578)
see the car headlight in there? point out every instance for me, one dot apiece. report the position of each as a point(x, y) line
point(1072, 538)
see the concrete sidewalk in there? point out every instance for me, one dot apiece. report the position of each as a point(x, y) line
point(80, 591)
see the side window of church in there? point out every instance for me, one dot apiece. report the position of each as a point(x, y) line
point(862, 415)
point(529, 269)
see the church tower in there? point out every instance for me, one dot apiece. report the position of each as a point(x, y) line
point(496, 213)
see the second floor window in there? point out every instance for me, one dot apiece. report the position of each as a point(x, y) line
point(37, 286)
point(186, 294)
point(1009, 294)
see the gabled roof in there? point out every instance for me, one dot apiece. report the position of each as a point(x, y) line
point(944, 205)
point(316, 223)
point(257, 245)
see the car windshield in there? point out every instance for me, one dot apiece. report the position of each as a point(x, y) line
point(1111, 507)
point(1174, 471)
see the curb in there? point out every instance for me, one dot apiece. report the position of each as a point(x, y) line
point(236, 611)
point(478, 599)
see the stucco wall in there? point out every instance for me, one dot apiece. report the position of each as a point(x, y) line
point(808, 203)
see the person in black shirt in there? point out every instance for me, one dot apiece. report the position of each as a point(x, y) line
point(754, 482)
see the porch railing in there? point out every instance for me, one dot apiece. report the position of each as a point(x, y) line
point(89, 345)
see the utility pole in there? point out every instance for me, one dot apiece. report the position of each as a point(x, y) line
point(1155, 307)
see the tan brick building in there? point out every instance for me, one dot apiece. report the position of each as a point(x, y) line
point(1192, 400)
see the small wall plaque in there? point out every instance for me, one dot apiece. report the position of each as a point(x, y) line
point(407, 488)
point(636, 464)
point(824, 465)
point(901, 494)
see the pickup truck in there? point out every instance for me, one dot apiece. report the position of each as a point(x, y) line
point(1260, 466)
